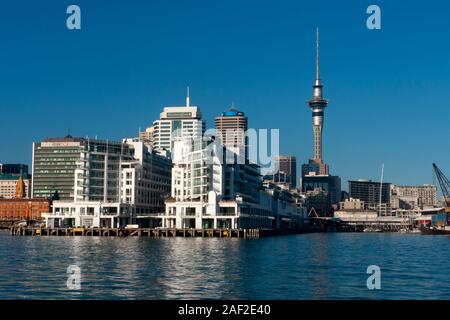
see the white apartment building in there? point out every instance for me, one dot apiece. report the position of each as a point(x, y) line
point(88, 214)
point(209, 193)
point(177, 122)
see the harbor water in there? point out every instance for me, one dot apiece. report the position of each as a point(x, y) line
point(300, 267)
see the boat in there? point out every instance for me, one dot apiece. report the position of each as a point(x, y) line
point(434, 231)
point(372, 230)
point(409, 231)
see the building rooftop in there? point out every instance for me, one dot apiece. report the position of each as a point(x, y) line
point(14, 177)
point(233, 112)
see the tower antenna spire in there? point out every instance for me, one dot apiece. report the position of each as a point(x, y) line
point(318, 104)
point(317, 55)
point(188, 98)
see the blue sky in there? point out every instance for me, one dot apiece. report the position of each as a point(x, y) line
point(388, 89)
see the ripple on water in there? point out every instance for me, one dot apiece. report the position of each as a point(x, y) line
point(313, 266)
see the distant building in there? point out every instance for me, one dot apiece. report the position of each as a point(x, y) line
point(318, 202)
point(287, 172)
point(412, 197)
point(352, 204)
point(344, 195)
point(16, 169)
point(147, 137)
point(331, 184)
point(8, 184)
point(11, 175)
point(177, 122)
point(369, 192)
point(231, 129)
point(314, 167)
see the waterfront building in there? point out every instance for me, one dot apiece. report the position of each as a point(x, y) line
point(118, 181)
point(177, 122)
point(357, 213)
point(287, 172)
point(412, 197)
point(78, 169)
point(20, 208)
point(12, 175)
point(145, 180)
point(357, 216)
point(89, 214)
point(13, 210)
point(369, 192)
point(231, 129)
point(207, 192)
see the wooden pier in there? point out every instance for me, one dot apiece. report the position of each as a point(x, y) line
point(149, 233)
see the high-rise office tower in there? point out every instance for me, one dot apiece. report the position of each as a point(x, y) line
point(288, 167)
point(80, 169)
point(318, 104)
point(376, 195)
point(286, 174)
point(231, 128)
point(176, 123)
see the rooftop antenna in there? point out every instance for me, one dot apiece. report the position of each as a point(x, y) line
point(381, 187)
point(188, 98)
point(317, 56)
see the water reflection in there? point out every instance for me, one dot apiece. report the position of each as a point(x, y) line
point(315, 266)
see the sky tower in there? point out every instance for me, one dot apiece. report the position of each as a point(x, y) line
point(318, 104)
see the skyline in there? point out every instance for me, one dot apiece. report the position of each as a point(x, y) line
point(117, 77)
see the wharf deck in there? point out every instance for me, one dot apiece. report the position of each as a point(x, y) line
point(142, 232)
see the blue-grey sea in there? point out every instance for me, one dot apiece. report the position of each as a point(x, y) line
point(300, 267)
